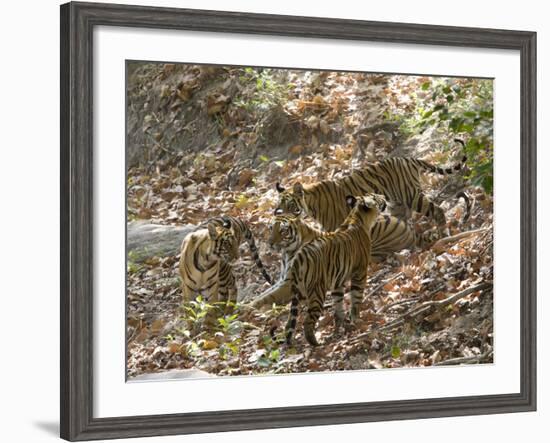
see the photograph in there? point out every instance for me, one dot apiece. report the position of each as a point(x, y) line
point(285, 218)
point(289, 220)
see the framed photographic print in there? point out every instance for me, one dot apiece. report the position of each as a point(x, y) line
point(256, 206)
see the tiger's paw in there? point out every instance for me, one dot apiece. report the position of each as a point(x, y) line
point(338, 333)
point(310, 337)
point(339, 322)
point(353, 316)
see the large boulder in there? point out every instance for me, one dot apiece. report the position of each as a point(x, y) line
point(146, 240)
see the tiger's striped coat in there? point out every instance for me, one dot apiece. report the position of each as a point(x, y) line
point(327, 262)
point(397, 178)
point(289, 233)
point(206, 256)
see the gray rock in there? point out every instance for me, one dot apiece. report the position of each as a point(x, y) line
point(146, 240)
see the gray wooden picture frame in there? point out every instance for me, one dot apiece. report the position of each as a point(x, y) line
point(77, 23)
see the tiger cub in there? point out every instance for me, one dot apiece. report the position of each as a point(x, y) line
point(327, 262)
point(389, 234)
point(289, 233)
point(397, 178)
point(206, 256)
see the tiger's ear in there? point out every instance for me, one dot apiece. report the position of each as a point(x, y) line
point(279, 188)
point(298, 189)
point(351, 201)
point(212, 231)
point(226, 221)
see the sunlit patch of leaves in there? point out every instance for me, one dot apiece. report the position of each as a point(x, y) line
point(268, 92)
point(464, 109)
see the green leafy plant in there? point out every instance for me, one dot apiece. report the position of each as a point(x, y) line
point(196, 311)
point(463, 108)
point(270, 355)
point(132, 266)
point(229, 324)
point(229, 349)
point(395, 351)
point(268, 92)
point(192, 348)
point(231, 329)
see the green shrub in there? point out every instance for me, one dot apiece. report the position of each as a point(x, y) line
point(463, 108)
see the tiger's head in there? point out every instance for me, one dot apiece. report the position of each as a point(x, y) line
point(291, 201)
point(223, 242)
point(284, 233)
point(364, 210)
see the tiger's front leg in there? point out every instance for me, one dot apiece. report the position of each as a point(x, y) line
point(314, 310)
point(187, 293)
point(223, 289)
point(358, 282)
point(227, 292)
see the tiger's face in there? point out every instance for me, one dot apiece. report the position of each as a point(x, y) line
point(283, 232)
point(291, 201)
point(223, 243)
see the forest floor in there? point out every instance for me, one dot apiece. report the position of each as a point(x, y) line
point(449, 283)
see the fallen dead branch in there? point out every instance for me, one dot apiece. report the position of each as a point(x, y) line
point(429, 306)
point(397, 303)
point(463, 360)
point(382, 284)
point(442, 243)
point(411, 300)
point(425, 309)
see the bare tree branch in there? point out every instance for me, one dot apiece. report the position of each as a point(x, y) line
point(381, 285)
point(424, 309)
point(461, 360)
point(442, 243)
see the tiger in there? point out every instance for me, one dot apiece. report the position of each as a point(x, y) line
point(206, 256)
point(289, 233)
point(327, 262)
point(396, 178)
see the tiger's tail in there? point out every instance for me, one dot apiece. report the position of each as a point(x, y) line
point(254, 251)
point(444, 171)
point(428, 238)
point(278, 294)
point(467, 203)
point(243, 230)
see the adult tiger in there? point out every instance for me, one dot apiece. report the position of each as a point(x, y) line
point(206, 255)
point(397, 178)
point(327, 262)
point(289, 233)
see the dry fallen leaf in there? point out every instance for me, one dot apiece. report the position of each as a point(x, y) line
point(209, 344)
point(245, 177)
point(295, 150)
